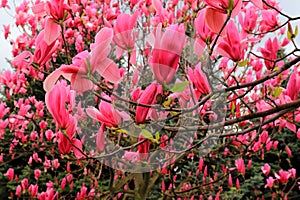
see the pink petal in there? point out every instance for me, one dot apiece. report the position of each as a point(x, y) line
point(100, 140)
point(77, 151)
point(109, 70)
point(51, 80)
point(93, 112)
point(199, 47)
point(291, 126)
point(103, 38)
point(52, 31)
point(38, 9)
point(258, 3)
point(224, 50)
point(214, 20)
point(80, 84)
point(157, 4)
point(125, 116)
point(237, 8)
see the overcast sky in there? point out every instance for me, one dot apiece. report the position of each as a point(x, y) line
point(290, 7)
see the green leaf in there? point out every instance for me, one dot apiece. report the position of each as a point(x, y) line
point(277, 92)
point(157, 136)
point(289, 36)
point(243, 63)
point(168, 102)
point(147, 134)
point(296, 31)
point(179, 87)
point(233, 108)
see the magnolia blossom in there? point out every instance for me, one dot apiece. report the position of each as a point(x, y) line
point(124, 35)
point(293, 86)
point(147, 97)
point(167, 49)
point(78, 70)
point(230, 46)
point(240, 165)
point(217, 12)
point(199, 79)
point(10, 174)
point(270, 182)
point(143, 149)
point(44, 50)
point(106, 114)
point(266, 169)
point(56, 100)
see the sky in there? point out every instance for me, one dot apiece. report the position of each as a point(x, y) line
point(290, 7)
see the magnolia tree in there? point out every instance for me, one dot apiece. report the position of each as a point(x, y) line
point(149, 99)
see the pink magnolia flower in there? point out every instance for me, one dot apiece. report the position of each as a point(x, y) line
point(206, 35)
point(18, 190)
point(78, 70)
point(240, 165)
point(270, 182)
point(288, 150)
point(55, 163)
point(283, 176)
point(199, 79)
point(75, 73)
point(293, 85)
point(167, 49)
point(106, 114)
point(161, 14)
point(143, 149)
point(10, 174)
point(56, 8)
point(269, 20)
point(230, 184)
point(99, 61)
point(124, 35)
point(266, 169)
point(48, 195)
point(64, 145)
point(77, 148)
point(33, 190)
point(3, 110)
point(230, 46)
point(49, 135)
point(52, 31)
point(270, 52)
point(37, 174)
point(264, 136)
point(63, 183)
point(4, 4)
point(147, 97)
point(56, 100)
point(24, 183)
point(6, 30)
point(43, 51)
point(249, 22)
point(292, 172)
point(67, 142)
point(216, 13)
